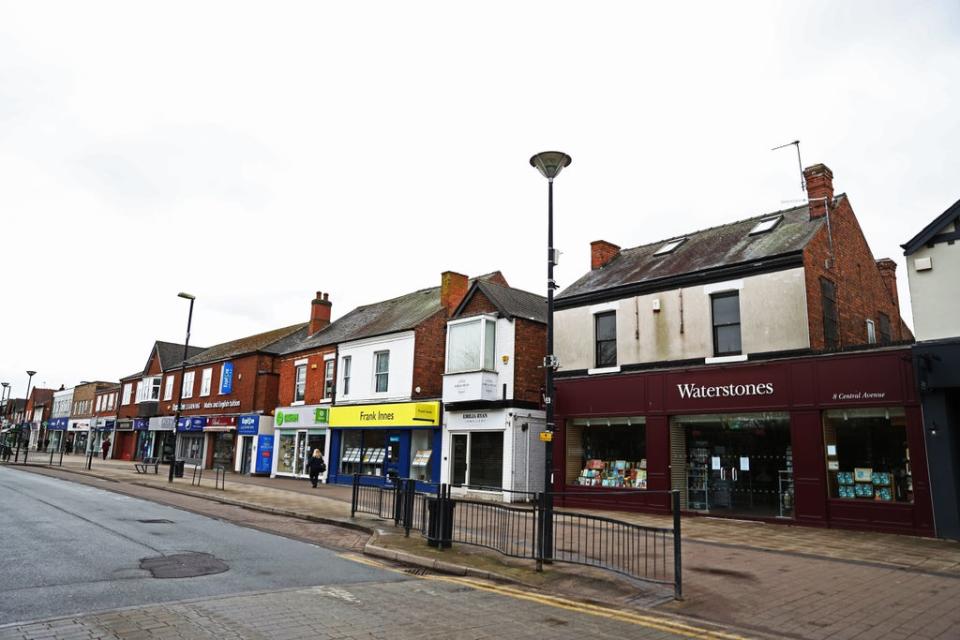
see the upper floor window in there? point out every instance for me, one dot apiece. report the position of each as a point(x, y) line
point(605, 332)
point(726, 323)
point(346, 363)
point(113, 401)
point(885, 337)
point(99, 403)
point(471, 345)
point(828, 300)
point(328, 379)
point(300, 384)
point(149, 389)
point(669, 247)
point(168, 388)
point(871, 332)
point(187, 390)
point(206, 380)
point(381, 371)
point(127, 391)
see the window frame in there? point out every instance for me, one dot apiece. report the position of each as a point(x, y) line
point(184, 391)
point(346, 362)
point(206, 381)
point(329, 378)
point(485, 350)
point(871, 331)
point(299, 383)
point(714, 326)
point(377, 373)
point(168, 388)
point(597, 341)
point(127, 393)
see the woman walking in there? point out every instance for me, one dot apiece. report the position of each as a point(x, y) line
point(315, 467)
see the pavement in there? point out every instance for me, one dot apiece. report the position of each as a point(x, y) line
point(787, 581)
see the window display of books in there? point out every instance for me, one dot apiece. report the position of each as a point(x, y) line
point(614, 473)
point(865, 483)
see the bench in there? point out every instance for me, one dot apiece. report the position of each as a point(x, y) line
point(144, 465)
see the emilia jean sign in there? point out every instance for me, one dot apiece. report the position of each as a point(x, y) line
point(691, 390)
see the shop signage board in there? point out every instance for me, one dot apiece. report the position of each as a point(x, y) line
point(140, 424)
point(248, 425)
point(264, 454)
point(546, 436)
point(408, 414)
point(57, 424)
point(222, 421)
point(301, 417)
point(472, 386)
point(226, 379)
point(196, 423)
point(161, 423)
point(488, 419)
point(78, 425)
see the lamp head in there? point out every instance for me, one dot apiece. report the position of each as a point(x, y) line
point(31, 373)
point(4, 384)
point(550, 163)
point(186, 296)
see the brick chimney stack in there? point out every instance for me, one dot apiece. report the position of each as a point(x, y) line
point(888, 271)
point(601, 253)
point(819, 181)
point(453, 287)
point(320, 312)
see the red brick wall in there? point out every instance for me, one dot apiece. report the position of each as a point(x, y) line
point(129, 410)
point(530, 348)
point(429, 352)
point(314, 391)
point(478, 304)
point(861, 292)
point(253, 394)
point(104, 412)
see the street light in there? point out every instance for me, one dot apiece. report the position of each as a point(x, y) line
point(30, 375)
point(4, 393)
point(549, 164)
point(183, 369)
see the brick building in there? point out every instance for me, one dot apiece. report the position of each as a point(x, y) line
point(81, 429)
point(753, 367)
point(38, 408)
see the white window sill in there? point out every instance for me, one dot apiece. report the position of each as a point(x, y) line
point(327, 400)
point(722, 359)
point(600, 370)
point(297, 403)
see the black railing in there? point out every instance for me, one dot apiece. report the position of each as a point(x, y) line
point(534, 531)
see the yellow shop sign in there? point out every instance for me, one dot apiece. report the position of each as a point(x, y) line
point(403, 414)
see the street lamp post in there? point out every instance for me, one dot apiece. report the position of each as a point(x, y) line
point(30, 375)
point(549, 164)
point(183, 369)
point(4, 399)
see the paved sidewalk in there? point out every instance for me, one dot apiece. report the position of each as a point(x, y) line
point(791, 581)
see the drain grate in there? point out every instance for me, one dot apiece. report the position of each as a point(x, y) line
point(156, 521)
point(184, 565)
point(416, 572)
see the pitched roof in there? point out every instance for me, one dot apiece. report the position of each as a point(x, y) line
point(952, 214)
point(703, 251)
point(510, 302)
point(171, 354)
point(249, 344)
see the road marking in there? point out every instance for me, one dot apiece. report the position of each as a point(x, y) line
point(660, 624)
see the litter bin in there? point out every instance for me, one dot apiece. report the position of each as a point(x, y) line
point(436, 537)
point(178, 469)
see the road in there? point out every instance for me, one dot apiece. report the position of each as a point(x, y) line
point(72, 568)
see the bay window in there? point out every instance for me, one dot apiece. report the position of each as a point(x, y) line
point(149, 390)
point(471, 345)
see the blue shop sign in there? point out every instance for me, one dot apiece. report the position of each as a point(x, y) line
point(264, 454)
point(107, 425)
point(226, 379)
point(192, 424)
point(57, 424)
point(248, 426)
point(141, 424)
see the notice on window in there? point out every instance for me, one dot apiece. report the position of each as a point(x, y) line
point(744, 463)
point(832, 450)
point(715, 463)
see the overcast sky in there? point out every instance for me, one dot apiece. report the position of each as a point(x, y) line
point(254, 153)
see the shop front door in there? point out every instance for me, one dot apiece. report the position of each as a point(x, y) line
point(246, 454)
point(458, 468)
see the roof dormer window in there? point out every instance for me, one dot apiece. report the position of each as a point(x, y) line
point(767, 224)
point(669, 247)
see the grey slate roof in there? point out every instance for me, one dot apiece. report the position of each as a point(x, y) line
point(721, 246)
point(171, 354)
point(510, 302)
point(929, 232)
point(249, 344)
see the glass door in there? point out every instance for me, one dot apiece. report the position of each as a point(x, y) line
point(458, 470)
point(301, 453)
point(246, 453)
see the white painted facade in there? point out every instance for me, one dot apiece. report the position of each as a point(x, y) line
point(62, 404)
point(932, 276)
point(362, 354)
point(677, 324)
point(485, 384)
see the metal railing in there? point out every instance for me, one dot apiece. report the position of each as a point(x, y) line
point(535, 531)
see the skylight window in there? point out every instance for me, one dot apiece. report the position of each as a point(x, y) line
point(669, 247)
point(765, 225)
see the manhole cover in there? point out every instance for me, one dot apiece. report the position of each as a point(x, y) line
point(183, 565)
point(156, 521)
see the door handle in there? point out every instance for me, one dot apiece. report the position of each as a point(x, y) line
point(733, 471)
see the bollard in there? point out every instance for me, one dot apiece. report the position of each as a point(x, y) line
point(677, 565)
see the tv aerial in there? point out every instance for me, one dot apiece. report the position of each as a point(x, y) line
point(795, 143)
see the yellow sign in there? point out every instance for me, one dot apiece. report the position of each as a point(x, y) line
point(546, 436)
point(403, 414)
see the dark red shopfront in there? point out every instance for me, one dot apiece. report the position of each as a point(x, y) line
point(832, 440)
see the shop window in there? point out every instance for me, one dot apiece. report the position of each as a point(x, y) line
point(363, 452)
point(223, 449)
point(191, 448)
point(828, 300)
point(300, 384)
point(286, 453)
point(187, 390)
point(347, 363)
point(168, 388)
point(607, 452)
point(478, 459)
point(605, 332)
point(328, 379)
point(867, 454)
point(381, 371)
point(884, 322)
point(420, 454)
point(206, 380)
point(726, 323)
point(471, 345)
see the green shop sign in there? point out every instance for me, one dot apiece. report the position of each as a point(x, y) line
point(321, 415)
point(289, 418)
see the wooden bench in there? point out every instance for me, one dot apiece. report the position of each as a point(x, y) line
point(144, 465)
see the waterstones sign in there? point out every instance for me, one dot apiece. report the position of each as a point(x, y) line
point(690, 390)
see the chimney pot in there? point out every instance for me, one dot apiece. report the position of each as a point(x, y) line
point(819, 181)
point(319, 312)
point(601, 253)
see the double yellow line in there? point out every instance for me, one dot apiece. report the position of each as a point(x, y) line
point(651, 622)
